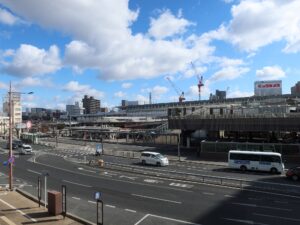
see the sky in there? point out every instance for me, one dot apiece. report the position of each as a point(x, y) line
point(125, 49)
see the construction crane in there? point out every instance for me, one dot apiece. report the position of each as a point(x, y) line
point(200, 81)
point(181, 96)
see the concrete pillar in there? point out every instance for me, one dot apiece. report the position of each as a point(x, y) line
point(127, 137)
point(188, 142)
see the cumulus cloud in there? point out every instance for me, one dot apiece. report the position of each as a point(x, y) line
point(142, 99)
point(229, 73)
point(270, 73)
point(239, 94)
point(106, 43)
point(3, 86)
point(262, 22)
point(29, 60)
point(120, 94)
point(34, 82)
point(80, 90)
point(126, 85)
point(193, 91)
point(167, 25)
point(8, 18)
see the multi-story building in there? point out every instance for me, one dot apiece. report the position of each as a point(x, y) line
point(90, 105)
point(295, 90)
point(127, 103)
point(74, 109)
point(4, 125)
point(16, 108)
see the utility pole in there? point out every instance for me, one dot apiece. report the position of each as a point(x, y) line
point(10, 140)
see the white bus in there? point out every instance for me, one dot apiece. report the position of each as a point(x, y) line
point(253, 160)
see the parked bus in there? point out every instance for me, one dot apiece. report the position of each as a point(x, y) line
point(253, 160)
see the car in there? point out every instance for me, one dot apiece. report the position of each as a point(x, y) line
point(25, 149)
point(293, 173)
point(154, 158)
point(15, 144)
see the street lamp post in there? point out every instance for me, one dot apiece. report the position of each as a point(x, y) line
point(11, 117)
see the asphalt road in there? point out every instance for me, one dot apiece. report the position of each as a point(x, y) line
point(140, 199)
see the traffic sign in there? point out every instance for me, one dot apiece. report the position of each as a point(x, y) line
point(97, 195)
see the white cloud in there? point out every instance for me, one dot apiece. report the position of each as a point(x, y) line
point(7, 18)
point(126, 85)
point(228, 1)
point(229, 73)
point(257, 23)
point(270, 73)
point(81, 90)
point(3, 86)
point(105, 42)
point(238, 94)
point(159, 90)
point(193, 91)
point(200, 70)
point(29, 60)
point(120, 94)
point(168, 25)
point(33, 82)
point(142, 99)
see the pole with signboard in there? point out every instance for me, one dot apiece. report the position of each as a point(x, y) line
point(99, 201)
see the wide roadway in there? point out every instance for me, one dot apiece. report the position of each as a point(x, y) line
point(138, 199)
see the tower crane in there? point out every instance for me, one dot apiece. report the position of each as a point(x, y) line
point(200, 81)
point(181, 96)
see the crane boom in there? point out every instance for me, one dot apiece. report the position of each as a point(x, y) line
point(181, 95)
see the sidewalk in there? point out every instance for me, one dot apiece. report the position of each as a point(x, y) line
point(16, 209)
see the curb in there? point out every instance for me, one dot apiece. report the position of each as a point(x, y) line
point(69, 215)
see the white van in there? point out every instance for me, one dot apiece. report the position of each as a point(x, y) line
point(154, 158)
point(25, 149)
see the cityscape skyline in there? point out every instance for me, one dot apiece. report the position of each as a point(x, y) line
point(128, 56)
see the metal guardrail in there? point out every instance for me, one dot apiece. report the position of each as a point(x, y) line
point(208, 179)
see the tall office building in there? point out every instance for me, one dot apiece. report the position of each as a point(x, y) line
point(295, 90)
point(90, 105)
point(74, 109)
point(16, 108)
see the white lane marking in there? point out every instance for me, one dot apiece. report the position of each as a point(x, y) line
point(208, 193)
point(130, 210)
point(83, 185)
point(142, 219)
point(229, 196)
point(6, 220)
point(281, 202)
point(110, 206)
point(277, 217)
point(90, 171)
point(93, 202)
point(260, 206)
point(76, 198)
point(32, 171)
point(244, 221)
point(181, 185)
point(159, 199)
point(19, 211)
point(130, 178)
point(172, 219)
point(152, 181)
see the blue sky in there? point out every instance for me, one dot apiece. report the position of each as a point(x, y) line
point(124, 49)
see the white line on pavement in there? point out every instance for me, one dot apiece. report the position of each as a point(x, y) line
point(208, 193)
point(83, 185)
point(32, 171)
point(141, 220)
point(244, 221)
point(93, 202)
point(130, 210)
point(76, 198)
point(6, 220)
point(172, 219)
point(21, 212)
point(281, 202)
point(229, 196)
point(260, 206)
point(110, 206)
point(159, 199)
point(277, 217)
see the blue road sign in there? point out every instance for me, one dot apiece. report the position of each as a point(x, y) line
point(97, 195)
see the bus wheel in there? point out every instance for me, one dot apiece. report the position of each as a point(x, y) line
point(243, 168)
point(274, 170)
